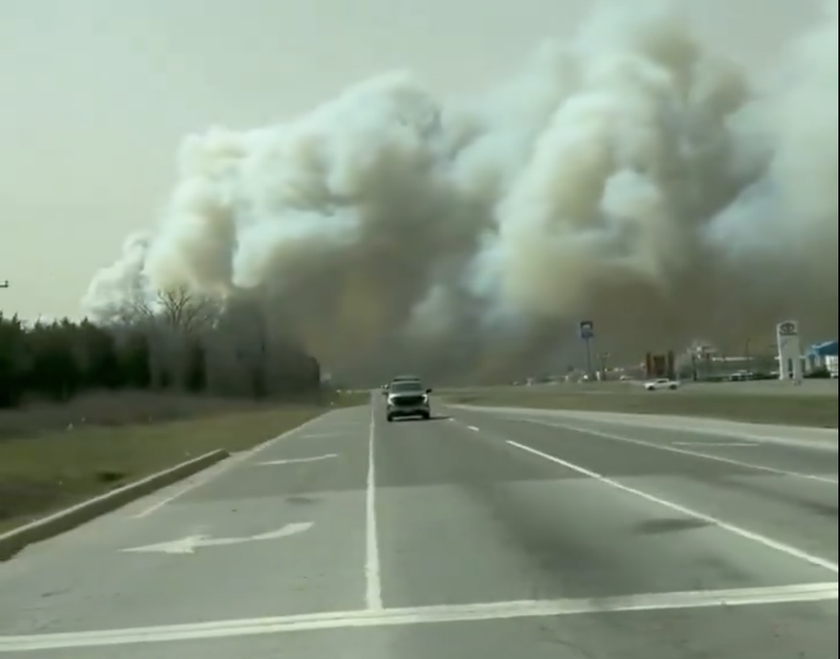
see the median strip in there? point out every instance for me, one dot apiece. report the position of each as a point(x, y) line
point(13, 541)
point(53, 482)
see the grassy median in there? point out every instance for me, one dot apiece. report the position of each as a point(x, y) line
point(42, 473)
point(794, 410)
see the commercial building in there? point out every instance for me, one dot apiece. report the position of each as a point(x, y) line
point(823, 355)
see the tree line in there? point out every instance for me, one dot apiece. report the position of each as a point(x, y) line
point(177, 342)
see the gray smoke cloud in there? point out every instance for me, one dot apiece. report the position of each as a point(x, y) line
point(628, 176)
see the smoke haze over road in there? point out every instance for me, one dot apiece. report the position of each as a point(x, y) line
point(628, 176)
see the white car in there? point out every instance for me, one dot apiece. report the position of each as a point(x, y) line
point(661, 383)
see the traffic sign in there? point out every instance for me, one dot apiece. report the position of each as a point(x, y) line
point(587, 329)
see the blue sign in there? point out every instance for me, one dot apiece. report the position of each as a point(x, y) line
point(587, 330)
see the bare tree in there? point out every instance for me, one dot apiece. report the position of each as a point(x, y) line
point(186, 311)
point(133, 310)
point(237, 345)
point(182, 319)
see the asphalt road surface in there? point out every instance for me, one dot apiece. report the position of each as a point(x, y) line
point(476, 535)
point(815, 387)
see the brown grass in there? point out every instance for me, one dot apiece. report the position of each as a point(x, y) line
point(64, 454)
point(795, 410)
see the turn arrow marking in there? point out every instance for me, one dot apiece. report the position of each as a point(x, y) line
point(189, 544)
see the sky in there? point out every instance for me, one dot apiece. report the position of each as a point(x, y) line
point(98, 94)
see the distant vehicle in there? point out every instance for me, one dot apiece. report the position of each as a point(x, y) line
point(661, 383)
point(408, 398)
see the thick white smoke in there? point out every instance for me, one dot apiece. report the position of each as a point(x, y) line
point(628, 177)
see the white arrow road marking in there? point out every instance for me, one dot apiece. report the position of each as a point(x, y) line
point(296, 460)
point(189, 544)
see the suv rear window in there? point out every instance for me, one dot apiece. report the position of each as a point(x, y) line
point(406, 386)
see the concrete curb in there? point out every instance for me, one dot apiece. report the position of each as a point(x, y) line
point(13, 541)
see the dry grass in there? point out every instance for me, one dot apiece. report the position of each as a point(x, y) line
point(796, 410)
point(65, 454)
point(130, 408)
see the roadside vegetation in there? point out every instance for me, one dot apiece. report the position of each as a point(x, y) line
point(86, 407)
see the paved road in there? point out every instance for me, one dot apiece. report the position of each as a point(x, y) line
point(480, 534)
point(815, 387)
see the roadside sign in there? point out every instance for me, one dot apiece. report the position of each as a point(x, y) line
point(587, 330)
point(787, 328)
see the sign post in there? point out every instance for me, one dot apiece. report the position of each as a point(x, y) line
point(587, 333)
point(790, 354)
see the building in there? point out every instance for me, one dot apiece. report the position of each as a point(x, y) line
point(823, 355)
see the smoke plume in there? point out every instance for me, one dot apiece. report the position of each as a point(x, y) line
point(628, 176)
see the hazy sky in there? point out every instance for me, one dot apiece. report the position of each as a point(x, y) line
point(97, 94)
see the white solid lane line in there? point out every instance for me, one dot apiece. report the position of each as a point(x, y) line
point(373, 579)
point(811, 592)
point(718, 444)
point(732, 528)
point(315, 458)
point(739, 463)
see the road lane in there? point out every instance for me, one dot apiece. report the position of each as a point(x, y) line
point(465, 517)
point(816, 439)
point(484, 551)
point(798, 511)
point(85, 579)
point(810, 460)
